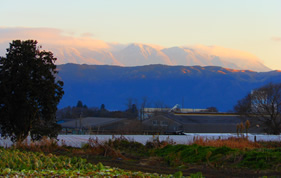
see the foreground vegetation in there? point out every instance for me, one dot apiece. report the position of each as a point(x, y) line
point(21, 163)
point(237, 155)
point(177, 155)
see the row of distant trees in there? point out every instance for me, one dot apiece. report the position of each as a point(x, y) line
point(81, 110)
point(30, 93)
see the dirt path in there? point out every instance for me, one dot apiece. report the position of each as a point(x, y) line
point(161, 168)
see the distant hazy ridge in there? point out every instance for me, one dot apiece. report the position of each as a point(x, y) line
point(193, 86)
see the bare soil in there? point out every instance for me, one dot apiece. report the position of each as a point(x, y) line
point(156, 165)
point(160, 166)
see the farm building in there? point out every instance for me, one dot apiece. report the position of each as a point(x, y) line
point(195, 123)
point(92, 124)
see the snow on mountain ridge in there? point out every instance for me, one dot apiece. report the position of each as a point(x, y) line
point(243, 60)
point(143, 54)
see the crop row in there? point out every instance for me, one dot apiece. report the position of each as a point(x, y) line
point(34, 164)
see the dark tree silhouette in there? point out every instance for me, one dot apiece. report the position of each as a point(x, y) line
point(263, 108)
point(79, 104)
point(132, 112)
point(29, 93)
point(212, 109)
point(102, 107)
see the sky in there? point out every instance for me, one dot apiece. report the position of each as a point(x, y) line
point(253, 26)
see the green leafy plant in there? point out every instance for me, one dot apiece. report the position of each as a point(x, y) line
point(218, 156)
point(15, 163)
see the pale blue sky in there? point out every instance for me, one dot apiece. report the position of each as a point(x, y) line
point(248, 25)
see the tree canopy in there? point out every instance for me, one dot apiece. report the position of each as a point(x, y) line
point(29, 93)
point(263, 107)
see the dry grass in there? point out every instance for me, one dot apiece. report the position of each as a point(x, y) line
point(233, 142)
point(44, 145)
point(94, 147)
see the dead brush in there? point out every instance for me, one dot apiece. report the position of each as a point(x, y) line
point(44, 145)
point(155, 142)
point(96, 147)
point(232, 142)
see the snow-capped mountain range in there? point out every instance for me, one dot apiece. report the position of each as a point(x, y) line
point(142, 54)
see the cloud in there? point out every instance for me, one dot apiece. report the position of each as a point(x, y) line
point(228, 54)
point(51, 36)
point(276, 39)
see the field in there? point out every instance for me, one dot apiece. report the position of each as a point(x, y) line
point(15, 163)
point(123, 157)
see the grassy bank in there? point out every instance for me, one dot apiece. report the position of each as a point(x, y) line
point(218, 157)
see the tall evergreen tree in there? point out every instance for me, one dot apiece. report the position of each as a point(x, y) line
point(29, 92)
point(79, 104)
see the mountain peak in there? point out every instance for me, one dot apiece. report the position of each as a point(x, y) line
point(137, 54)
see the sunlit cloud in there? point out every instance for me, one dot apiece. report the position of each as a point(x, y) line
point(276, 39)
point(226, 53)
point(84, 48)
point(51, 36)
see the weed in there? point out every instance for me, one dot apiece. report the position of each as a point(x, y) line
point(44, 145)
point(218, 156)
point(196, 175)
point(232, 142)
point(261, 158)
